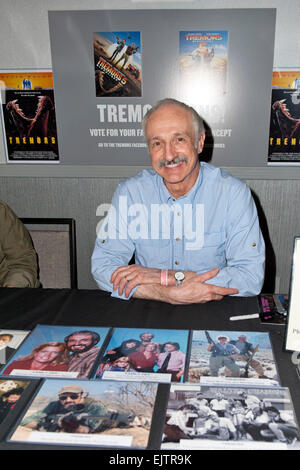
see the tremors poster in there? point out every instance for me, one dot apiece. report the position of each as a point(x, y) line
point(28, 116)
point(203, 59)
point(284, 140)
point(114, 65)
point(118, 63)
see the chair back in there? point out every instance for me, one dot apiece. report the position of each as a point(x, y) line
point(54, 241)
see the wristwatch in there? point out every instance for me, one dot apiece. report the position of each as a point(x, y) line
point(179, 277)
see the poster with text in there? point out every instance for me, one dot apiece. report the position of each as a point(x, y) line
point(118, 64)
point(203, 59)
point(284, 140)
point(28, 117)
point(112, 66)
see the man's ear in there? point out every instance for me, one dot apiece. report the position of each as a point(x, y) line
point(200, 144)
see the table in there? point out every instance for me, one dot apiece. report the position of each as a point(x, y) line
point(25, 308)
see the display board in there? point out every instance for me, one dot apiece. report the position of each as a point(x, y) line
point(110, 67)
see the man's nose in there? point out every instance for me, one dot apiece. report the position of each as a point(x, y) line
point(170, 151)
point(68, 399)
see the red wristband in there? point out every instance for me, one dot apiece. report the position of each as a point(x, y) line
point(164, 277)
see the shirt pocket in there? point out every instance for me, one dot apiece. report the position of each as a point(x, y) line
point(153, 253)
point(211, 255)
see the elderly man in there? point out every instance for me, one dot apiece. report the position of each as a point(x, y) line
point(209, 243)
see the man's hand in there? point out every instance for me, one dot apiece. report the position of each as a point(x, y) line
point(193, 290)
point(126, 278)
point(197, 291)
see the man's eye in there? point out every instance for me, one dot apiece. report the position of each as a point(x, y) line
point(156, 144)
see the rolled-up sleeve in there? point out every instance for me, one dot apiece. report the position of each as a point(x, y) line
point(113, 248)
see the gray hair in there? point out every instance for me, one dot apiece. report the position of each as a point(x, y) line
point(197, 120)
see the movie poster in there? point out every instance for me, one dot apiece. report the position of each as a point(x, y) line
point(118, 64)
point(203, 69)
point(284, 140)
point(28, 117)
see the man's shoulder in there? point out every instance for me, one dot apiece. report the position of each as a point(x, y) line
point(211, 172)
point(135, 185)
point(147, 175)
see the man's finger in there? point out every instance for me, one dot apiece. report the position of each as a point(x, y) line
point(225, 290)
point(119, 270)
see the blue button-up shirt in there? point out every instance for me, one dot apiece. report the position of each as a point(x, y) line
point(214, 225)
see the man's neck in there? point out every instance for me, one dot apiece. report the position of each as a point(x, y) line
point(180, 189)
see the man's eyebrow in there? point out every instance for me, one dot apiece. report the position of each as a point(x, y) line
point(175, 134)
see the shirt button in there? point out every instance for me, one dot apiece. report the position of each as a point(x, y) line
point(253, 244)
point(179, 214)
point(178, 239)
point(176, 262)
point(102, 241)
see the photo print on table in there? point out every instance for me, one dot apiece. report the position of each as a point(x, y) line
point(89, 413)
point(230, 417)
point(11, 391)
point(145, 354)
point(10, 341)
point(57, 352)
point(232, 356)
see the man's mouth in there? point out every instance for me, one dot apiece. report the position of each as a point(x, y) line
point(177, 161)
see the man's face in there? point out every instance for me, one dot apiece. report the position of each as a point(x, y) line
point(171, 140)
point(4, 340)
point(242, 339)
point(223, 340)
point(70, 399)
point(80, 342)
point(146, 337)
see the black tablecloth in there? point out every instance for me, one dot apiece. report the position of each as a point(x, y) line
point(25, 308)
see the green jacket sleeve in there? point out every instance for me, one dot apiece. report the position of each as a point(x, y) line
point(18, 260)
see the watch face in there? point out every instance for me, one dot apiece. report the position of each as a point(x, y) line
point(179, 276)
